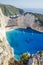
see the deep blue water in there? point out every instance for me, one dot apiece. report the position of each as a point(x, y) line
point(25, 40)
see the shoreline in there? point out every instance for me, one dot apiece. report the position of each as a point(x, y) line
point(16, 27)
point(10, 29)
point(13, 28)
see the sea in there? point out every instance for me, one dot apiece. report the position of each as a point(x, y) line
point(25, 40)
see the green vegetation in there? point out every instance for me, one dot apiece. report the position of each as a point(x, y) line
point(9, 10)
point(24, 58)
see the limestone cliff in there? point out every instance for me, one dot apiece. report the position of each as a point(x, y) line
point(6, 53)
point(24, 21)
point(34, 59)
point(29, 20)
point(5, 50)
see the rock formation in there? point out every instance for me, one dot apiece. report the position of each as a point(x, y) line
point(32, 59)
point(6, 53)
point(36, 59)
point(26, 20)
point(13, 62)
point(29, 20)
point(5, 50)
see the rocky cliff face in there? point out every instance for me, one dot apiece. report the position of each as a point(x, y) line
point(26, 20)
point(6, 53)
point(5, 50)
point(29, 20)
point(36, 59)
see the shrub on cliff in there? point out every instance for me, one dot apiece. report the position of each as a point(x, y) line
point(24, 58)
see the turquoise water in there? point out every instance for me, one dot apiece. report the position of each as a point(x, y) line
point(25, 40)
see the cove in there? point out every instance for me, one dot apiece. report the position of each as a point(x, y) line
point(25, 40)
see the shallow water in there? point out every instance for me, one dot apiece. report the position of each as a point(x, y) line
point(25, 40)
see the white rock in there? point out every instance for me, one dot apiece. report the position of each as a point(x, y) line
point(1, 50)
